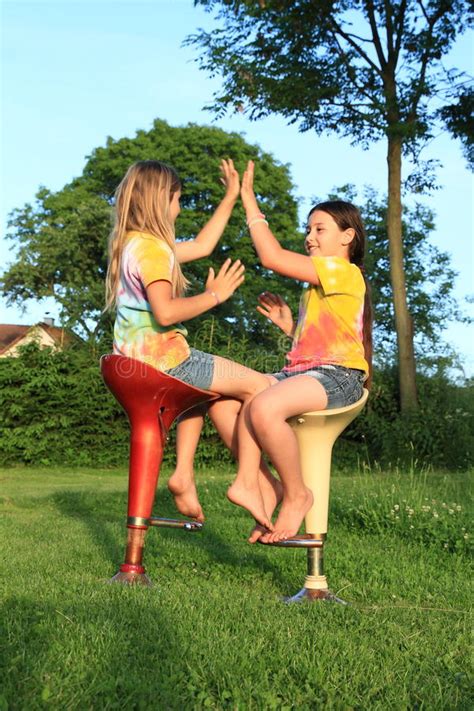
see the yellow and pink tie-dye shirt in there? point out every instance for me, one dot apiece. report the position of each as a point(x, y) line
point(137, 334)
point(330, 321)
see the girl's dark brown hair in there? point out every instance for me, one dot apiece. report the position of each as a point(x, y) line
point(347, 216)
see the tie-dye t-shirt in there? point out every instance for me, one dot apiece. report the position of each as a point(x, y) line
point(137, 334)
point(329, 328)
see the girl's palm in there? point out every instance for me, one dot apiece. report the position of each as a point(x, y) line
point(247, 190)
point(228, 279)
point(230, 178)
point(273, 307)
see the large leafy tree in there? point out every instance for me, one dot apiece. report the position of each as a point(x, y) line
point(60, 243)
point(429, 278)
point(365, 69)
point(60, 240)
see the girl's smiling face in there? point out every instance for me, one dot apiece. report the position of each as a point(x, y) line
point(324, 238)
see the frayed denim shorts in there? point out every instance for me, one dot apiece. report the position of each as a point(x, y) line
point(343, 386)
point(196, 370)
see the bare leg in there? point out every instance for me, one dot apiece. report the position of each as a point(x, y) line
point(269, 412)
point(224, 414)
point(181, 483)
point(237, 381)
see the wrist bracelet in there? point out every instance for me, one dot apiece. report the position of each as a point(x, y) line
point(213, 293)
point(257, 219)
point(251, 219)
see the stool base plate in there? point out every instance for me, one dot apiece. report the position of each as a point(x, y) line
point(131, 579)
point(309, 595)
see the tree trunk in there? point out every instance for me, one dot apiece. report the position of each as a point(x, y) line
point(403, 321)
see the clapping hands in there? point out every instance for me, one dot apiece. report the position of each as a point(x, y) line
point(230, 178)
point(229, 277)
point(273, 307)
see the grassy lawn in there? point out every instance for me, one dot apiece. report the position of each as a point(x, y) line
point(212, 632)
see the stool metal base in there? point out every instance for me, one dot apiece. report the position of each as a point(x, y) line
point(132, 571)
point(316, 584)
point(308, 595)
point(131, 579)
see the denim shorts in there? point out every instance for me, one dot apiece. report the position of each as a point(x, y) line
point(196, 370)
point(343, 386)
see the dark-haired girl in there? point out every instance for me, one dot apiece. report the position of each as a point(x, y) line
point(330, 357)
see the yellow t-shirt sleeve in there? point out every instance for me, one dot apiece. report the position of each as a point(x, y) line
point(154, 261)
point(338, 276)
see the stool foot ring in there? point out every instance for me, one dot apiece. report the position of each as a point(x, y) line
point(309, 595)
point(174, 523)
point(303, 541)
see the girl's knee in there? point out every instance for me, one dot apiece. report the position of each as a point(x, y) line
point(261, 415)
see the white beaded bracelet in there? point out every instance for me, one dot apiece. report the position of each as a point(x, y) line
point(255, 220)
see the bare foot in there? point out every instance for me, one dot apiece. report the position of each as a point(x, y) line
point(250, 498)
point(289, 519)
point(272, 491)
point(272, 494)
point(257, 532)
point(185, 496)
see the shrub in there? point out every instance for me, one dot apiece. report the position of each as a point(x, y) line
point(440, 433)
point(55, 409)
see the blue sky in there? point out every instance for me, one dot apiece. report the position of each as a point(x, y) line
point(77, 72)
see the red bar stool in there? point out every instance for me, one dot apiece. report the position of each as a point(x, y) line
point(152, 401)
point(316, 433)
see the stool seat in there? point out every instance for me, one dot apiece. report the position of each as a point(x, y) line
point(316, 433)
point(140, 387)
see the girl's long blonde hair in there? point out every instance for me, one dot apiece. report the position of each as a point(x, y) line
point(142, 202)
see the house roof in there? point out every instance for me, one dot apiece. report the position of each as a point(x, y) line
point(10, 334)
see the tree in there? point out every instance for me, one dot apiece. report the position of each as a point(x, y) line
point(61, 245)
point(429, 279)
point(365, 69)
point(61, 239)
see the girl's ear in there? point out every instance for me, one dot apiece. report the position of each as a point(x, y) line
point(348, 236)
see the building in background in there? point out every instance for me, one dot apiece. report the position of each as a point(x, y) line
point(45, 333)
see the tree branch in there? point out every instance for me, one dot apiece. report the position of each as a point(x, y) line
point(400, 26)
point(425, 57)
point(351, 73)
point(355, 46)
point(389, 28)
point(362, 39)
point(423, 10)
point(375, 33)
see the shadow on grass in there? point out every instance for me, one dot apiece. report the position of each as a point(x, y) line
point(90, 655)
point(86, 507)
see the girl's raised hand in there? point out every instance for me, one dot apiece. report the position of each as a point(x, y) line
point(247, 192)
point(230, 178)
point(273, 307)
point(228, 279)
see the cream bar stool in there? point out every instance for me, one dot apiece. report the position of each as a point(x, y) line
point(316, 433)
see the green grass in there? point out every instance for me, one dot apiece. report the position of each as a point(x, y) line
point(213, 632)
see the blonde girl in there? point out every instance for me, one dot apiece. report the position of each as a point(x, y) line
point(331, 352)
point(146, 286)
